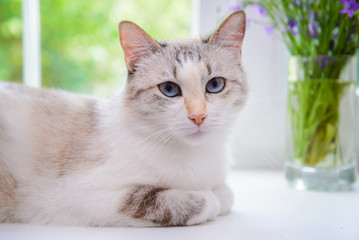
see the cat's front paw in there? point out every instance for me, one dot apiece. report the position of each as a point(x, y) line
point(225, 197)
point(170, 207)
point(210, 209)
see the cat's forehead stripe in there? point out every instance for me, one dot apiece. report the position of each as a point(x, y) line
point(187, 53)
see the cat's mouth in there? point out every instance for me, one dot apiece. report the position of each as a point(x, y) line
point(198, 133)
point(196, 137)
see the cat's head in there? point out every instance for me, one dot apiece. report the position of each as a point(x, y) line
point(188, 90)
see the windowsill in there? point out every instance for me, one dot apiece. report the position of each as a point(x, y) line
point(265, 208)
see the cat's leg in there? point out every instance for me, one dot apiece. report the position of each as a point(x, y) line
point(225, 197)
point(170, 207)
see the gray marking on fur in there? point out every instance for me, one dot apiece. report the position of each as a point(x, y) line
point(162, 102)
point(142, 203)
point(137, 93)
point(209, 69)
point(8, 184)
point(174, 71)
point(189, 55)
point(163, 45)
point(151, 204)
point(177, 53)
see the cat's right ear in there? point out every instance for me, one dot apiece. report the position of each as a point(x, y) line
point(231, 32)
point(136, 44)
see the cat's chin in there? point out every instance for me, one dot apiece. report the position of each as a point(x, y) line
point(196, 138)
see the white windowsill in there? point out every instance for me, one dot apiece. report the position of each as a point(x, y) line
point(265, 208)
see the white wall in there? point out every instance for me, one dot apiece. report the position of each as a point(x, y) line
point(259, 140)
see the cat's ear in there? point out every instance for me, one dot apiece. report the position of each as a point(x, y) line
point(231, 32)
point(136, 43)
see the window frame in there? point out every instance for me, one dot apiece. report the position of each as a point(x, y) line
point(31, 43)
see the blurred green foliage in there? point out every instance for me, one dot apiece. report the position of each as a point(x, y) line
point(10, 40)
point(79, 39)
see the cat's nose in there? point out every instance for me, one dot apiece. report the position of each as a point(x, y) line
point(198, 118)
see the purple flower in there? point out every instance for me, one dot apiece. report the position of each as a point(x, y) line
point(261, 11)
point(292, 23)
point(296, 2)
point(313, 33)
point(293, 26)
point(311, 16)
point(234, 8)
point(269, 29)
point(350, 6)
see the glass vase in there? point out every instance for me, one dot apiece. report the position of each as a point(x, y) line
point(321, 123)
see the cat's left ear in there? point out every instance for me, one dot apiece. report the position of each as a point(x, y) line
point(231, 32)
point(136, 44)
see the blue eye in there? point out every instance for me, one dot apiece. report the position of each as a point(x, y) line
point(170, 89)
point(215, 85)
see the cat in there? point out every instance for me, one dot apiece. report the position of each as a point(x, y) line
point(154, 154)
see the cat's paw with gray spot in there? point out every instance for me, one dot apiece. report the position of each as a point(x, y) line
point(170, 207)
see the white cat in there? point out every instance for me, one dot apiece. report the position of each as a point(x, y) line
point(153, 155)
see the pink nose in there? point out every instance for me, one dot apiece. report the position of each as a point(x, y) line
point(198, 119)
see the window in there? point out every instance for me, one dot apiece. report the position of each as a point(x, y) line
point(80, 49)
